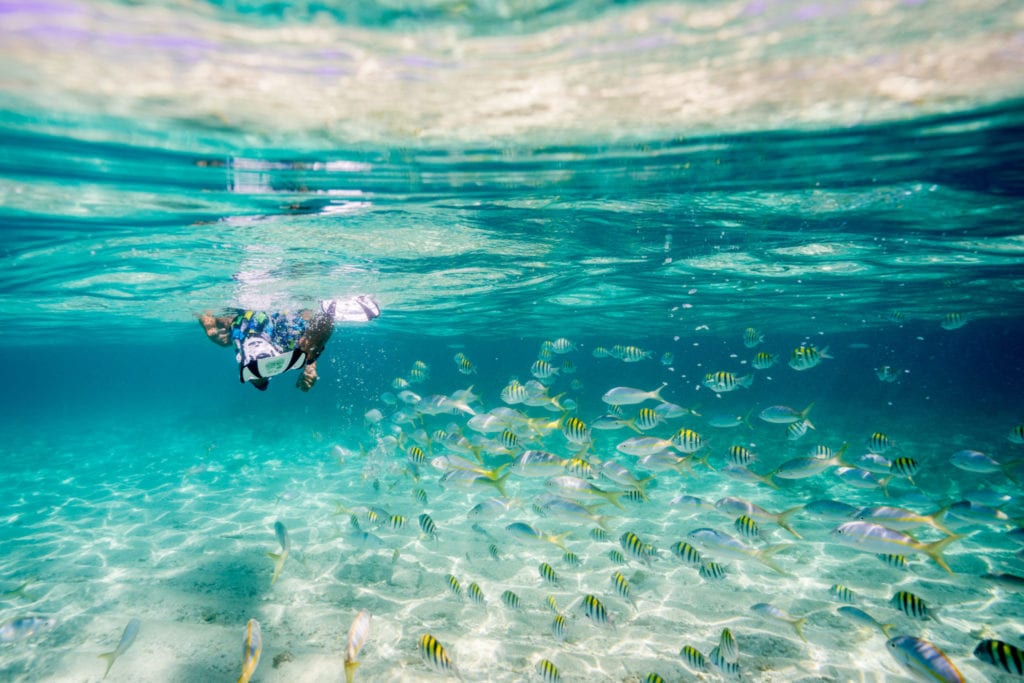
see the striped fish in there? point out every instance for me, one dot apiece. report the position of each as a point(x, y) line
point(558, 627)
point(687, 441)
point(357, 634)
point(453, 585)
point(621, 585)
point(722, 664)
point(842, 593)
point(636, 548)
point(511, 600)
point(548, 671)
point(617, 557)
point(740, 455)
point(711, 571)
point(687, 553)
point(911, 605)
point(427, 526)
point(547, 572)
point(654, 678)
point(728, 647)
point(595, 610)
point(747, 527)
point(895, 561)
point(571, 558)
point(1007, 657)
point(434, 654)
point(693, 658)
point(475, 594)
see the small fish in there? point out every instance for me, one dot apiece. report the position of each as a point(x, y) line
point(548, 671)
point(804, 467)
point(492, 550)
point(575, 431)
point(728, 420)
point(887, 373)
point(741, 456)
point(768, 610)
point(580, 468)
point(571, 558)
point(636, 548)
point(901, 518)
point(806, 357)
point(647, 418)
point(127, 638)
point(693, 658)
point(911, 605)
point(667, 358)
point(541, 369)
point(923, 659)
point(558, 627)
point(357, 635)
point(831, 509)
point(862, 618)
point(434, 654)
point(752, 337)
point(279, 558)
point(1002, 655)
point(797, 429)
point(547, 573)
point(711, 571)
point(595, 610)
point(475, 593)
point(427, 526)
point(453, 585)
point(252, 647)
point(763, 360)
point(525, 532)
point(511, 600)
point(879, 539)
point(878, 442)
point(552, 604)
point(747, 527)
point(616, 557)
point(687, 553)
point(728, 647)
point(621, 585)
point(722, 664)
point(895, 561)
point(722, 382)
point(627, 396)
point(599, 534)
point(1016, 435)
point(785, 415)
point(953, 321)
point(514, 393)
point(630, 354)
point(641, 446)
point(687, 441)
point(842, 593)
point(582, 486)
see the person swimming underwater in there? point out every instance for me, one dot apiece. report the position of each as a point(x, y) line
point(269, 344)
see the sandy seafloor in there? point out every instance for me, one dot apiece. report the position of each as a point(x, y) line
point(114, 509)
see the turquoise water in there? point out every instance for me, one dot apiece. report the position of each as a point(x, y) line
point(499, 175)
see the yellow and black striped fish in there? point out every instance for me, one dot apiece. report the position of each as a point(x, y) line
point(571, 558)
point(911, 605)
point(1007, 657)
point(475, 594)
point(693, 658)
point(740, 455)
point(453, 585)
point(636, 548)
point(711, 571)
point(687, 441)
point(616, 557)
point(427, 525)
point(395, 522)
point(580, 468)
point(509, 439)
point(895, 561)
point(558, 627)
point(878, 442)
point(647, 418)
point(434, 654)
point(747, 527)
point(575, 431)
point(842, 593)
point(904, 466)
point(595, 610)
point(687, 553)
point(728, 647)
point(599, 534)
point(547, 572)
point(548, 671)
point(621, 585)
point(654, 678)
point(511, 600)
point(416, 454)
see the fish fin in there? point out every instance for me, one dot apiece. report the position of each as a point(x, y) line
point(273, 556)
point(632, 425)
point(350, 671)
point(613, 498)
point(746, 419)
point(798, 626)
point(642, 485)
point(499, 483)
point(766, 557)
point(656, 394)
point(110, 657)
point(934, 550)
point(824, 353)
point(803, 413)
point(782, 519)
point(937, 524)
point(887, 629)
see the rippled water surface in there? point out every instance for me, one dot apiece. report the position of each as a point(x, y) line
point(644, 181)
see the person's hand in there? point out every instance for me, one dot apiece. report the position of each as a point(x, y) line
point(308, 377)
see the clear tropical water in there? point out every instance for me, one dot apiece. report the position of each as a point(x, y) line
point(498, 175)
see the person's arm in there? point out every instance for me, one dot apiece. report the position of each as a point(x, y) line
point(318, 332)
point(218, 329)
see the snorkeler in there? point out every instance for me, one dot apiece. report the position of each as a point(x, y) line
point(269, 344)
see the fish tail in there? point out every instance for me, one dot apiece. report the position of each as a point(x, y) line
point(746, 419)
point(350, 671)
point(110, 657)
point(656, 394)
point(602, 521)
point(803, 414)
point(559, 539)
point(887, 629)
point(824, 353)
point(642, 484)
point(499, 483)
point(703, 460)
point(613, 498)
point(936, 522)
point(884, 483)
point(841, 452)
point(782, 519)
point(798, 624)
point(745, 381)
point(934, 550)
point(766, 557)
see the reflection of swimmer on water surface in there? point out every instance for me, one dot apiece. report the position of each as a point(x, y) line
point(269, 344)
